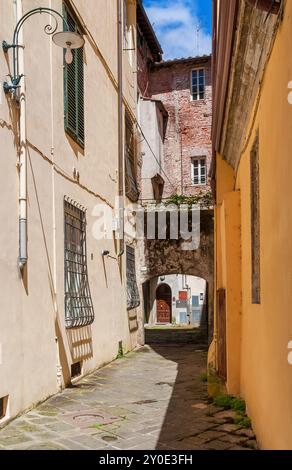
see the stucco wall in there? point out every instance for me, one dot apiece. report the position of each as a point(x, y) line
point(265, 376)
point(33, 337)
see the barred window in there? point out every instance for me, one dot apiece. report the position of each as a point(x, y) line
point(78, 303)
point(130, 162)
point(133, 299)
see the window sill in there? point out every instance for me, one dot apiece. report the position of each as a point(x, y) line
point(75, 139)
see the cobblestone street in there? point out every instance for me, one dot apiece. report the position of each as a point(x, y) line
point(154, 398)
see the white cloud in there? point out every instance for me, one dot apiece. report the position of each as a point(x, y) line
point(176, 29)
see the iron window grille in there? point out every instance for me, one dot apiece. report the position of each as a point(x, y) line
point(78, 303)
point(133, 298)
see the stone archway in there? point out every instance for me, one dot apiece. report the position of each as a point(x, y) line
point(163, 257)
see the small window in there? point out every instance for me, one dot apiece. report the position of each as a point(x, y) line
point(130, 160)
point(78, 303)
point(199, 171)
point(3, 407)
point(74, 88)
point(76, 370)
point(133, 299)
point(198, 84)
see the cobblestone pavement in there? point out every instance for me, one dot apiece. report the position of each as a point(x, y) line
point(152, 399)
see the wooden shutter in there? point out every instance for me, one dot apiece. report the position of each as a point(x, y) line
point(130, 160)
point(74, 89)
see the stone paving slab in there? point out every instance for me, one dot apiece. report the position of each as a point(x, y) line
point(152, 399)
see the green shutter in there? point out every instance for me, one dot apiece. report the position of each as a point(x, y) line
point(74, 89)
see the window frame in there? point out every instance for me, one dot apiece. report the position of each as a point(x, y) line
point(197, 69)
point(77, 295)
point(133, 297)
point(199, 159)
point(131, 181)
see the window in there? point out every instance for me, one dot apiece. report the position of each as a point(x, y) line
point(74, 89)
point(198, 84)
point(255, 222)
point(78, 304)
point(199, 171)
point(3, 406)
point(133, 299)
point(130, 163)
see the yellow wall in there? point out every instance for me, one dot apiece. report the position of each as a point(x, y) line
point(264, 376)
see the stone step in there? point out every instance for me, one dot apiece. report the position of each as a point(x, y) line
point(196, 336)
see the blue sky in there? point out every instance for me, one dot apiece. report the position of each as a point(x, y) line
point(176, 22)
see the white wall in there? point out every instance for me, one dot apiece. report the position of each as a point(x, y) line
point(177, 282)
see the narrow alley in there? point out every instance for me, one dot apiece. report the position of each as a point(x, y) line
point(166, 409)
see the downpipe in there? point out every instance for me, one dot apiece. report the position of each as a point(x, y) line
point(121, 130)
point(22, 159)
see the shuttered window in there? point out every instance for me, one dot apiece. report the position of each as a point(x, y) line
point(133, 299)
point(74, 89)
point(130, 151)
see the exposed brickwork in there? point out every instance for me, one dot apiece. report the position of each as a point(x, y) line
point(188, 132)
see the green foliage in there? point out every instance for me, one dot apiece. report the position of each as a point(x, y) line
point(204, 377)
point(242, 421)
point(223, 401)
point(238, 405)
point(205, 199)
point(120, 354)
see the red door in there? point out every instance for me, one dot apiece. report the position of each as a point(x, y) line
point(163, 303)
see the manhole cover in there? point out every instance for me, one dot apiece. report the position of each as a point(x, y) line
point(109, 438)
point(87, 418)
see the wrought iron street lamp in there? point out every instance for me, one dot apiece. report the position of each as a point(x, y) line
point(66, 39)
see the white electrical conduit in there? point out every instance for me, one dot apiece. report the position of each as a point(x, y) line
point(22, 161)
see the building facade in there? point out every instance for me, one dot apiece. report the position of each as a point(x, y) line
point(251, 171)
point(185, 90)
point(177, 299)
point(68, 140)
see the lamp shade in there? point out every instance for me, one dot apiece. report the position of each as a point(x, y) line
point(67, 39)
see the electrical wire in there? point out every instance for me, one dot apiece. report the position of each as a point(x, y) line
point(152, 152)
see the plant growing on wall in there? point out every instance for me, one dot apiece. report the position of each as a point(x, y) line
point(203, 199)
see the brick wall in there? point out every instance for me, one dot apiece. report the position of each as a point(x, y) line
point(188, 131)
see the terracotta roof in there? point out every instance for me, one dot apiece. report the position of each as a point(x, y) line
point(184, 60)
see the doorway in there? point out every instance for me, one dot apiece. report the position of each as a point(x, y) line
point(163, 304)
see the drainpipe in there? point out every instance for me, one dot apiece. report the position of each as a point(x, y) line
point(121, 128)
point(22, 158)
